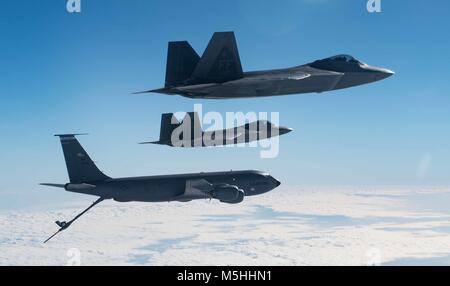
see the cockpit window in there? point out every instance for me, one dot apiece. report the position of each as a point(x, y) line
point(344, 58)
point(340, 63)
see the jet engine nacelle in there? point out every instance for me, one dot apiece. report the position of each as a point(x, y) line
point(78, 187)
point(228, 194)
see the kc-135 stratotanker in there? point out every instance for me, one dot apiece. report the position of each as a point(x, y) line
point(218, 73)
point(85, 178)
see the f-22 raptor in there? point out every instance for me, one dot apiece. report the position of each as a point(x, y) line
point(189, 133)
point(85, 178)
point(218, 73)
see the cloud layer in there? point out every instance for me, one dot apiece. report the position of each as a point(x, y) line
point(290, 226)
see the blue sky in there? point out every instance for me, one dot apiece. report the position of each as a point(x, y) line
point(66, 72)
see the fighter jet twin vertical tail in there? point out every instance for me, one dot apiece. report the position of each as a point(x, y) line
point(85, 178)
point(218, 73)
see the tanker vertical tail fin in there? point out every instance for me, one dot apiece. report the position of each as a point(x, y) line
point(80, 166)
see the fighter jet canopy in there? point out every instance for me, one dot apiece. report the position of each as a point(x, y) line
point(339, 63)
point(344, 58)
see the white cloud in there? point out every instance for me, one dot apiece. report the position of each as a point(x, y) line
point(290, 226)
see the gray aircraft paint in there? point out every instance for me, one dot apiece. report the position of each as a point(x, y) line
point(85, 178)
point(218, 73)
point(192, 134)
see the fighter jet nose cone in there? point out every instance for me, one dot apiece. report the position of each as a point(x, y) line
point(389, 73)
point(277, 183)
point(285, 130)
point(379, 73)
point(385, 73)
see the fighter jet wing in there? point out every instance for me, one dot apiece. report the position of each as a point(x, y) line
point(197, 88)
point(224, 135)
point(235, 136)
point(236, 133)
point(276, 77)
point(299, 77)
